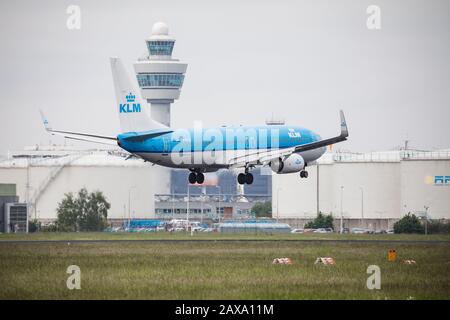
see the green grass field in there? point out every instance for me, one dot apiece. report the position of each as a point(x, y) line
point(215, 236)
point(221, 270)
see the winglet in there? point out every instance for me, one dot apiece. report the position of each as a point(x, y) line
point(45, 121)
point(344, 129)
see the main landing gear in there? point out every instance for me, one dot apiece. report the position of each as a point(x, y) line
point(303, 174)
point(246, 177)
point(196, 177)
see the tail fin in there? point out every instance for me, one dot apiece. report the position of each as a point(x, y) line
point(134, 115)
point(45, 121)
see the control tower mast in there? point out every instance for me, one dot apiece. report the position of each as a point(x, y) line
point(160, 77)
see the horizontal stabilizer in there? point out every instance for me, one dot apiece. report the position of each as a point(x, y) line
point(141, 136)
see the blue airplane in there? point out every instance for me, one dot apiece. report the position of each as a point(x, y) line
point(285, 149)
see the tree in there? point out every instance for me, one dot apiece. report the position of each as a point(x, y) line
point(408, 224)
point(86, 212)
point(67, 214)
point(34, 226)
point(439, 226)
point(262, 209)
point(321, 221)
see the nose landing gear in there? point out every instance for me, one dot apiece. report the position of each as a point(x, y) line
point(303, 174)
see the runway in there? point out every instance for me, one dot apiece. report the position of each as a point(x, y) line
point(224, 240)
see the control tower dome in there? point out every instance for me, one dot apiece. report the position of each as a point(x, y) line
point(160, 77)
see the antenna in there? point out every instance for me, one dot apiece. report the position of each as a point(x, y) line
point(406, 142)
point(274, 121)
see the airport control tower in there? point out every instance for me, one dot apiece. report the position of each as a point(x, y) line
point(160, 77)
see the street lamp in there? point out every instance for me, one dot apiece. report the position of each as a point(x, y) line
point(220, 195)
point(342, 213)
point(129, 204)
point(278, 203)
point(188, 199)
point(362, 205)
point(202, 199)
point(173, 205)
point(426, 219)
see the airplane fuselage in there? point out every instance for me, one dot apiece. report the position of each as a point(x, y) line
point(213, 148)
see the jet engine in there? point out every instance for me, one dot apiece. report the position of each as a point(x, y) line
point(292, 163)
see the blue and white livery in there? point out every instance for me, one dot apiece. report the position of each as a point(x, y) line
point(286, 149)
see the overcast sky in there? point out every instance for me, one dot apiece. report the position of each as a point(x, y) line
point(299, 60)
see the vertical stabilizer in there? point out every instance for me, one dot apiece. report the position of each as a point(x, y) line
point(133, 113)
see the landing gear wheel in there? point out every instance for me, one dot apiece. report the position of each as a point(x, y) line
point(303, 174)
point(241, 178)
point(192, 178)
point(249, 178)
point(200, 178)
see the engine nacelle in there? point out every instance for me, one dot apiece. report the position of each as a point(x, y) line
point(292, 163)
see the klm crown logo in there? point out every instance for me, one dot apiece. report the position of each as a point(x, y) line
point(130, 106)
point(130, 97)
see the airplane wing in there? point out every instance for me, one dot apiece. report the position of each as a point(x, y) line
point(323, 143)
point(259, 158)
point(264, 158)
point(77, 135)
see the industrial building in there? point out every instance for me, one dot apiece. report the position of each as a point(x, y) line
point(42, 175)
point(370, 190)
point(13, 215)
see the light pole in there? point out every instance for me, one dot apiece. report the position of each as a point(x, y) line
point(342, 213)
point(426, 219)
point(317, 190)
point(173, 205)
point(187, 206)
point(188, 200)
point(201, 206)
point(362, 205)
point(278, 203)
point(129, 204)
point(220, 195)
